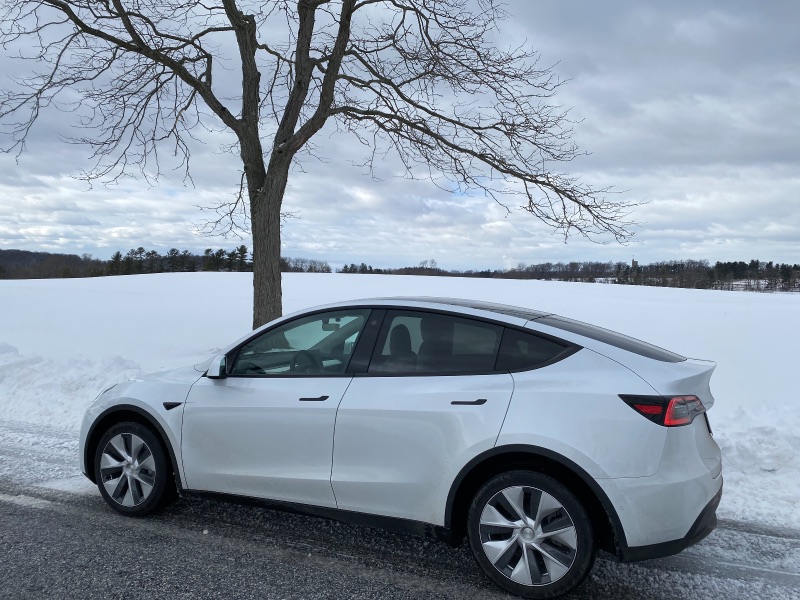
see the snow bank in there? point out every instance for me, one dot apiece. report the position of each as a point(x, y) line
point(62, 341)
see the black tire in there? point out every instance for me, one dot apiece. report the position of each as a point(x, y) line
point(557, 549)
point(133, 485)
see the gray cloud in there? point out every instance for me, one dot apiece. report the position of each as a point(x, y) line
point(691, 107)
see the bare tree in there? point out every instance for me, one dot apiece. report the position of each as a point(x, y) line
point(418, 78)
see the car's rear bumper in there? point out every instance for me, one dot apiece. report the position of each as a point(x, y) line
point(667, 511)
point(705, 523)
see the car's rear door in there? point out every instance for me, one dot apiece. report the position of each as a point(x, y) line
point(406, 427)
point(266, 430)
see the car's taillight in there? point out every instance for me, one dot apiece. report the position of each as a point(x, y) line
point(669, 411)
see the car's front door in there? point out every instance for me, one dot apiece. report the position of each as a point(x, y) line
point(430, 401)
point(266, 430)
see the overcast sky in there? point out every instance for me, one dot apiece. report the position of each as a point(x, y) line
point(691, 107)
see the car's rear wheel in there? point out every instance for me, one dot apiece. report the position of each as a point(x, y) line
point(132, 470)
point(530, 535)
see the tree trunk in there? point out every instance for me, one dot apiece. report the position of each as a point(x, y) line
point(265, 221)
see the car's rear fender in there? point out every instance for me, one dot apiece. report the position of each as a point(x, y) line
point(608, 530)
point(573, 408)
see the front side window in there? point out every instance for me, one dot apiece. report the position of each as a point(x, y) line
point(432, 343)
point(319, 344)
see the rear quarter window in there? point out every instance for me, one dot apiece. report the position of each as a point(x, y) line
point(522, 351)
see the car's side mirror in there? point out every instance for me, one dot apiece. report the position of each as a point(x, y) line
point(218, 368)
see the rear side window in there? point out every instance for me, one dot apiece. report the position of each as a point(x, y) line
point(434, 343)
point(612, 338)
point(521, 351)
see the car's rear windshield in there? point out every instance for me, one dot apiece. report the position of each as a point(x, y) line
point(612, 338)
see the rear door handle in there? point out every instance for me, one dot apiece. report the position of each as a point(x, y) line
point(477, 402)
point(320, 399)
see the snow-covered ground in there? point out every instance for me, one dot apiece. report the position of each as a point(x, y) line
point(62, 341)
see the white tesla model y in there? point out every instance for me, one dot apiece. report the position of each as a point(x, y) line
point(538, 438)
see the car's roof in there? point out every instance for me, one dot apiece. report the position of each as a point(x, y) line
point(519, 312)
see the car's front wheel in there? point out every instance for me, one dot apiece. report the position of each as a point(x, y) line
point(530, 534)
point(132, 469)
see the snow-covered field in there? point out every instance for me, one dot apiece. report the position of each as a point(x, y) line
point(62, 341)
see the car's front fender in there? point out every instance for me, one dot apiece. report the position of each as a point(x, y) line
point(157, 403)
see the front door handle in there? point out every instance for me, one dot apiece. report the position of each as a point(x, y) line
point(320, 399)
point(477, 402)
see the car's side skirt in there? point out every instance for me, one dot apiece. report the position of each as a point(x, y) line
point(399, 525)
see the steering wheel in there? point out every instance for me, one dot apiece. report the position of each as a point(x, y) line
point(313, 366)
point(254, 368)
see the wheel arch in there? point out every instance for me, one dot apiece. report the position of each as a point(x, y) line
point(118, 414)
point(610, 536)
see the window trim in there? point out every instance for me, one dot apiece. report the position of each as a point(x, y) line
point(366, 344)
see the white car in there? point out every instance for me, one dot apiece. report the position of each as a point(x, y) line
point(539, 438)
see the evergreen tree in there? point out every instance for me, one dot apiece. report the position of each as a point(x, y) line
point(186, 261)
point(153, 261)
point(241, 258)
point(115, 264)
point(172, 260)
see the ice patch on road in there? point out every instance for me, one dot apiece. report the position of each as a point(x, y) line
point(28, 501)
point(72, 485)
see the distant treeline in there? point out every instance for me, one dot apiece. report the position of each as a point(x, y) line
point(22, 264)
point(754, 275)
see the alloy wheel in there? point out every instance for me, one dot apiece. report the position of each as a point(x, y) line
point(127, 469)
point(528, 535)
